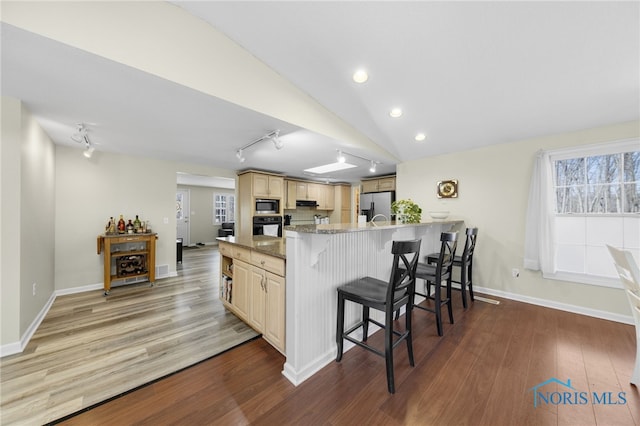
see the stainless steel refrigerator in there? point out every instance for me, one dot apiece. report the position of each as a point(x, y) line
point(374, 203)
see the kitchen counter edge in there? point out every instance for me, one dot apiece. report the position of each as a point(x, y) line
point(340, 228)
point(272, 246)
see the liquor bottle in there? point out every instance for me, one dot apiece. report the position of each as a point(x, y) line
point(130, 227)
point(137, 226)
point(122, 227)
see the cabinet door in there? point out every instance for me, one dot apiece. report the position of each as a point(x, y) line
point(290, 201)
point(329, 197)
point(257, 310)
point(240, 292)
point(369, 186)
point(260, 186)
point(313, 192)
point(387, 184)
point(301, 191)
point(276, 187)
point(275, 311)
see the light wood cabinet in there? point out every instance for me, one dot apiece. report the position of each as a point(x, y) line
point(274, 325)
point(290, 201)
point(321, 193)
point(251, 186)
point(345, 203)
point(257, 312)
point(379, 185)
point(254, 290)
point(240, 293)
point(267, 186)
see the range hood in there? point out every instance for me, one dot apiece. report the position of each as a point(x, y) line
point(306, 203)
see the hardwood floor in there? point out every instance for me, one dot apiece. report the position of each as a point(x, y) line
point(480, 373)
point(90, 348)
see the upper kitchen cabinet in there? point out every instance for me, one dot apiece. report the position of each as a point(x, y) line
point(252, 186)
point(382, 184)
point(322, 194)
point(267, 186)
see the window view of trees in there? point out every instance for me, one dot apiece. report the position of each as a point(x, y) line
point(598, 184)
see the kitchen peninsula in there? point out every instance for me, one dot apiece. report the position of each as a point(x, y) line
point(322, 257)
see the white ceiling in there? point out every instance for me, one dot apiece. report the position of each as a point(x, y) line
point(468, 74)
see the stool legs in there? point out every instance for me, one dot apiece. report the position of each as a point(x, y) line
point(340, 327)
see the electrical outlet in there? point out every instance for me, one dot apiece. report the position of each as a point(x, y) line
point(515, 273)
point(34, 288)
point(166, 220)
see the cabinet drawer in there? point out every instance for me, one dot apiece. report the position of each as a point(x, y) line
point(387, 184)
point(225, 249)
point(269, 263)
point(241, 253)
point(127, 239)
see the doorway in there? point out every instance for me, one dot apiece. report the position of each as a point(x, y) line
point(182, 216)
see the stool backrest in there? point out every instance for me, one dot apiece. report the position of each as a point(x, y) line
point(449, 243)
point(469, 245)
point(403, 276)
point(625, 265)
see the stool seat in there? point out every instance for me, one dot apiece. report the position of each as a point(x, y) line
point(384, 296)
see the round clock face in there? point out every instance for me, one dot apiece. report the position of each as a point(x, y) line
point(447, 188)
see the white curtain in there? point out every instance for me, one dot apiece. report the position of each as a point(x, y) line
point(539, 247)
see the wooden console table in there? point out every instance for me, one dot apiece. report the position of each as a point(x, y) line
point(134, 255)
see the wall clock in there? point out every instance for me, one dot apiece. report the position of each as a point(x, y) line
point(448, 188)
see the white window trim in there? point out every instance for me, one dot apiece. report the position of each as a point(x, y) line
point(624, 145)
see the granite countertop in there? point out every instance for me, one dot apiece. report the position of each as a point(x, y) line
point(273, 246)
point(339, 228)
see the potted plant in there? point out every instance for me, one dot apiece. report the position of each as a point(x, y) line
point(406, 211)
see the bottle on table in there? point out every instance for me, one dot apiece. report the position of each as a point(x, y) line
point(122, 226)
point(137, 225)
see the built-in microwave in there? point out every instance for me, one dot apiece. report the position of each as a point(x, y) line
point(267, 206)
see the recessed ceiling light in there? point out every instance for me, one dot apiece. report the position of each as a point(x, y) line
point(327, 168)
point(395, 112)
point(360, 76)
point(420, 137)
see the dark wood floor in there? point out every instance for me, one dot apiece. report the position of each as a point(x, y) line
point(480, 373)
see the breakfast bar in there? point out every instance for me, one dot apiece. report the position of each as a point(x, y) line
point(322, 257)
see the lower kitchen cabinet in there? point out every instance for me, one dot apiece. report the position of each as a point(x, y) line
point(241, 284)
point(255, 291)
point(274, 311)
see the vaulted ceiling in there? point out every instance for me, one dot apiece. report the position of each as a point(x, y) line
point(466, 74)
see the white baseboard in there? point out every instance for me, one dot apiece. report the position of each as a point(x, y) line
point(625, 319)
point(18, 347)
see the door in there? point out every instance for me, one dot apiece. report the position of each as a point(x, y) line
point(182, 216)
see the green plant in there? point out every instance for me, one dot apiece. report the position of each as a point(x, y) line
point(406, 211)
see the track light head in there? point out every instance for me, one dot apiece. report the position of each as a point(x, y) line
point(239, 156)
point(341, 158)
point(277, 142)
point(372, 169)
point(89, 151)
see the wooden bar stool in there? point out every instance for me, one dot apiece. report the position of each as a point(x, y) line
point(387, 297)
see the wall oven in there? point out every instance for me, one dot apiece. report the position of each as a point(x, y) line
point(267, 225)
point(264, 206)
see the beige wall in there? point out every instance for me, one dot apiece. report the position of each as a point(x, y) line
point(28, 179)
point(90, 191)
point(201, 227)
point(493, 191)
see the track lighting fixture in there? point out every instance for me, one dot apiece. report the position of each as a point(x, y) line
point(341, 159)
point(81, 136)
point(273, 136)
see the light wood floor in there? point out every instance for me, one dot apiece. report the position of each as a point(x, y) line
point(90, 348)
point(479, 373)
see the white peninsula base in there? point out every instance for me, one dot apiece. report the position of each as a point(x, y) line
point(319, 259)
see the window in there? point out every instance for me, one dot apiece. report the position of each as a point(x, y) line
point(223, 208)
point(597, 202)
